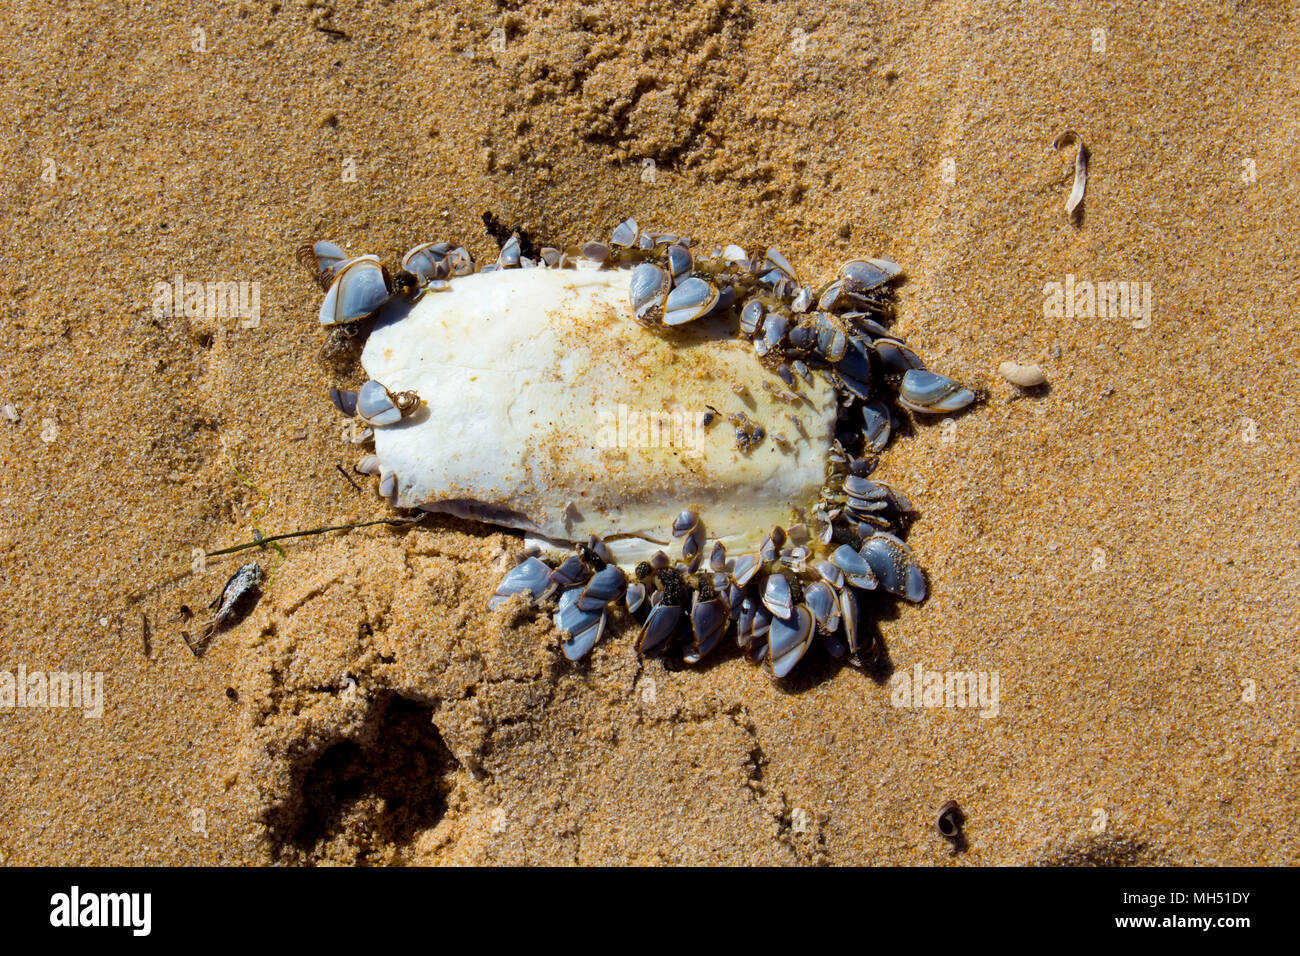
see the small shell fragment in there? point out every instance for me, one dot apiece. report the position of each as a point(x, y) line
point(1075, 199)
point(1026, 376)
point(950, 821)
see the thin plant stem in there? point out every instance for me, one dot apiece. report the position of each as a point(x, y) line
point(262, 541)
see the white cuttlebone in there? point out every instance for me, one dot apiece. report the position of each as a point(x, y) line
point(524, 372)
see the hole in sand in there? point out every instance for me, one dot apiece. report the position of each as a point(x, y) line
point(366, 797)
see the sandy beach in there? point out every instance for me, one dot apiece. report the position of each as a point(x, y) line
point(1120, 549)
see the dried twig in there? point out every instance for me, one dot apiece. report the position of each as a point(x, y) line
point(348, 478)
point(262, 541)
